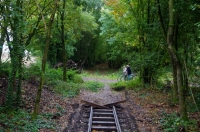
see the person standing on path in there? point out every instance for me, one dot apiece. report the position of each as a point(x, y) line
point(125, 73)
point(129, 72)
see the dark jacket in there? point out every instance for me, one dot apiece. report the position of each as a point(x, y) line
point(128, 70)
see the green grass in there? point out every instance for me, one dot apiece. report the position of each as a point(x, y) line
point(132, 84)
point(119, 86)
point(97, 74)
point(93, 86)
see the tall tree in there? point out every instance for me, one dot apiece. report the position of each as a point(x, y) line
point(16, 52)
point(44, 58)
point(20, 26)
point(63, 40)
point(175, 61)
point(174, 72)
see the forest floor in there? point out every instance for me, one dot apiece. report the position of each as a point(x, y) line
point(141, 112)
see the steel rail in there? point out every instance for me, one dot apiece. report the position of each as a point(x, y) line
point(116, 120)
point(90, 120)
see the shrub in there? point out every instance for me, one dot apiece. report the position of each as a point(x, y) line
point(72, 76)
point(77, 79)
point(54, 74)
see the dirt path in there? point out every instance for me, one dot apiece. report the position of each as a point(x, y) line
point(105, 95)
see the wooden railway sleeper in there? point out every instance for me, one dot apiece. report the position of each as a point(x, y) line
point(103, 120)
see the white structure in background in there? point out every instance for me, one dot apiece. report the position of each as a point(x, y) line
point(28, 59)
point(5, 53)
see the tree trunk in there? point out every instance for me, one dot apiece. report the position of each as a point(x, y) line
point(174, 74)
point(176, 62)
point(161, 19)
point(63, 41)
point(174, 71)
point(14, 54)
point(44, 58)
point(18, 95)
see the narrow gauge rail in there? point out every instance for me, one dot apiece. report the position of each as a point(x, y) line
point(103, 119)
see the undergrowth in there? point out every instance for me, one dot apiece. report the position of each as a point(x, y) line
point(67, 89)
point(70, 88)
point(173, 123)
point(191, 105)
point(53, 78)
point(21, 121)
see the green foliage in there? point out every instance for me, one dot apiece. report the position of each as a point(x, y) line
point(53, 78)
point(60, 112)
point(190, 102)
point(80, 27)
point(51, 74)
point(34, 70)
point(93, 86)
point(163, 76)
point(173, 123)
point(22, 122)
point(67, 89)
point(5, 69)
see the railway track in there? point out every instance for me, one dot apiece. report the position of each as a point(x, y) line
point(103, 119)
